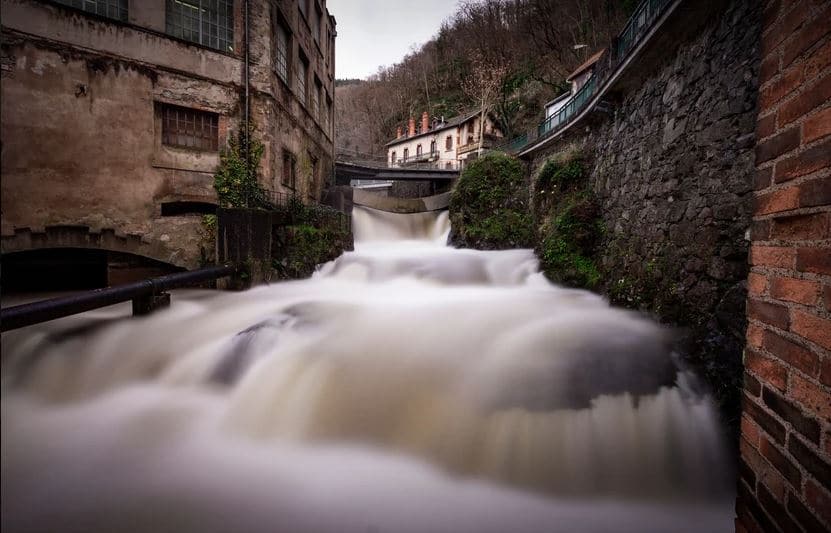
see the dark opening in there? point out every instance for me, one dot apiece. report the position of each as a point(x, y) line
point(57, 269)
point(74, 269)
point(173, 209)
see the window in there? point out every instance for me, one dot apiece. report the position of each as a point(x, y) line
point(206, 22)
point(432, 147)
point(302, 74)
point(281, 59)
point(303, 7)
point(314, 24)
point(327, 111)
point(189, 128)
point(313, 178)
point(316, 90)
point(289, 173)
point(114, 9)
point(392, 158)
point(406, 153)
point(448, 143)
point(418, 150)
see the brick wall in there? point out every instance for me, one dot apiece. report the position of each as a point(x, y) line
point(785, 467)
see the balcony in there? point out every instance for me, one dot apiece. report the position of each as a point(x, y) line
point(472, 145)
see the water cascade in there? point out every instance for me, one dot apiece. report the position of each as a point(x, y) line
point(407, 386)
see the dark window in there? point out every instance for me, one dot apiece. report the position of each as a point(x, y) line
point(392, 158)
point(302, 74)
point(206, 22)
point(316, 90)
point(114, 9)
point(313, 178)
point(303, 7)
point(418, 150)
point(172, 209)
point(327, 110)
point(314, 23)
point(406, 153)
point(281, 60)
point(289, 172)
point(448, 143)
point(189, 128)
point(432, 147)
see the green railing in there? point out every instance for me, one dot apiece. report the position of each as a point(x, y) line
point(636, 28)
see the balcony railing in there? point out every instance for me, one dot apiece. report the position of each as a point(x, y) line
point(637, 27)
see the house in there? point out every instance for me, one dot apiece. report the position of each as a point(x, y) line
point(114, 114)
point(584, 72)
point(441, 144)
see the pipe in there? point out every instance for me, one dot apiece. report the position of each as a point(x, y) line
point(33, 313)
point(247, 106)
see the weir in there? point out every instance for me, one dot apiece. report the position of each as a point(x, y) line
point(407, 386)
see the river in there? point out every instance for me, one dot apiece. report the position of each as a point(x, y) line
point(406, 387)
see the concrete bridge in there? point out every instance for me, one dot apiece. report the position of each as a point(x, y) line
point(346, 171)
point(343, 198)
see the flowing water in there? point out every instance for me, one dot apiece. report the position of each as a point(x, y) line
point(407, 386)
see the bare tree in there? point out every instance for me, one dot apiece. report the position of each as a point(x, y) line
point(483, 85)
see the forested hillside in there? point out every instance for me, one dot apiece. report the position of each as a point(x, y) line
point(523, 48)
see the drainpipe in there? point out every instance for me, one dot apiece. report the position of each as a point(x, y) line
point(246, 125)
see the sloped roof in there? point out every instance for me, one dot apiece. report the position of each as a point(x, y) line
point(453, 122)
point(585, 66)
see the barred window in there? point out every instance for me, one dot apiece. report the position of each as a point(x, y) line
point(206, 22)
point(289, 172)
point(282, 56)
point(114, 9)
point(189, 128)
point(302, 74)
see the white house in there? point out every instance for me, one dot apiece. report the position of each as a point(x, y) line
point(439, 143)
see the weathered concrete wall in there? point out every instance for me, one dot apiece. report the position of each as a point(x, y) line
point(81, 128)
point(672, 169)
point(785, 469)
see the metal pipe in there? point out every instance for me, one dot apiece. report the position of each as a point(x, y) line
point(247, 106)
point(33, 313)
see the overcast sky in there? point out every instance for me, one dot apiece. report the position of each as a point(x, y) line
point(374, 33)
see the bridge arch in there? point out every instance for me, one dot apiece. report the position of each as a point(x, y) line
point(158, 247)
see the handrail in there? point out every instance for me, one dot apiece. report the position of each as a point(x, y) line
point(24, 315)
point(644, 16)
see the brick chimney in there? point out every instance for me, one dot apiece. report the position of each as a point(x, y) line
point(411, 127)
point(425, 122)
point(398, 132)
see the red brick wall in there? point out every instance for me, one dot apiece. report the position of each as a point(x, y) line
point(785, 468)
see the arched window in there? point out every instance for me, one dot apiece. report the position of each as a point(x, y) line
point(406, 153)
point(448, 143)
point(418, 150)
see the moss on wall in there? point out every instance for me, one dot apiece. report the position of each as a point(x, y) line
point(567, 222)
point(307, 236)
point(489, 205)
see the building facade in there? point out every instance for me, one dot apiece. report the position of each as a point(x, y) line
point(114, 114)
point(441, 144)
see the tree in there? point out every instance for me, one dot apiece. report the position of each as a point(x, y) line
point(482, 85)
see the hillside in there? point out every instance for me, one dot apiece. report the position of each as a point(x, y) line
point(529, 45)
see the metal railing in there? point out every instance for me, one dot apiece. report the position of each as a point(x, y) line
point(36, 312)
point(638, 25)
point(291, 208)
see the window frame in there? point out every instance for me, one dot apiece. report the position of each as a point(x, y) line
point(200, 143)
point(280, 25)
point(122, 8)
point(289, 179)
point(223, 38)
point(303, 76)
point(448, 143)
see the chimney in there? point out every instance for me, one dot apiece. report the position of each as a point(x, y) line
point(411, 128)
point(398, 132)
point(425, 122)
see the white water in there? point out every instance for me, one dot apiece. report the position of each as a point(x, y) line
point(406, 387)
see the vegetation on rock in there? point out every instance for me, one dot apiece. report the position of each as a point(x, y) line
point(568, 224)
point(489, 205)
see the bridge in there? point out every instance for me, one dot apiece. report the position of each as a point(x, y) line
point(346, 171)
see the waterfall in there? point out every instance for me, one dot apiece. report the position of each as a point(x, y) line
point(407, 386)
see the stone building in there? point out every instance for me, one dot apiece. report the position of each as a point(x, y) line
point(441, 144)
point(114, 114)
